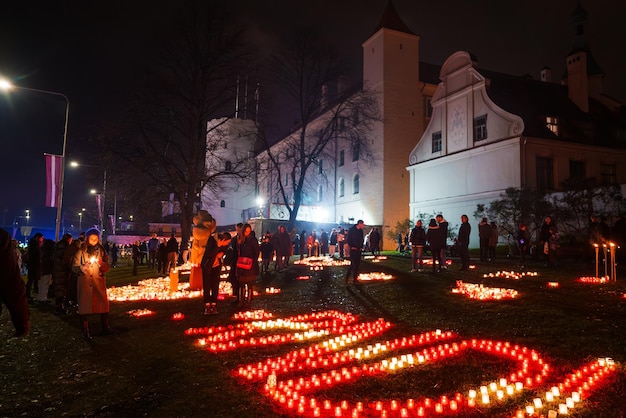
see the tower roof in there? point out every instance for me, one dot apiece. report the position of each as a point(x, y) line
point(391, 20)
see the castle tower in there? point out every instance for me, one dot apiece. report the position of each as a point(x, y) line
point(391, 68)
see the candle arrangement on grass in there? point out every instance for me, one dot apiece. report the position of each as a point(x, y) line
point(272, 291)
point(319, 263)
point(160, 288)
point(594, 280)
point(178, 316)
point(375, 276)
point(297, 381)
point(479, 291)
point(516, 275)
point(140, 312)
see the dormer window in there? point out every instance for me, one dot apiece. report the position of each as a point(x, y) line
point(552, 123)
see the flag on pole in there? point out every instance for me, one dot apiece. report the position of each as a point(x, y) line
point(53, 179)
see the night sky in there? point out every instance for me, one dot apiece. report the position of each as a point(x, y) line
point(91, 50)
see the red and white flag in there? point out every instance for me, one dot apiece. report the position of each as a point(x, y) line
point(53, 179)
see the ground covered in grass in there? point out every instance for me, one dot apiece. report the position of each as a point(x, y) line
point(153, 368)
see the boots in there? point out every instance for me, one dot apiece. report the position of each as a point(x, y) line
point(85, 326)
point(106, 328)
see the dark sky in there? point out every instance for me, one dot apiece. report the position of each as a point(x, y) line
point(89, 51)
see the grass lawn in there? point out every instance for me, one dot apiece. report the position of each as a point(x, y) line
point(152, 368)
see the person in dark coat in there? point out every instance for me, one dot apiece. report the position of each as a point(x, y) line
point(247, 246)
point(231, 261)
point(484, 233)
point(60, 274)
point(375, 241)
point(172, 253)
point(33, 263)
point(283, 247)
point(435, 238)
point(91, 262)
point(464, 239)
point(355, 242)
point(211, 265)
point(12, 289)
point(47, 268)
point(523, 242)
point(418, 242)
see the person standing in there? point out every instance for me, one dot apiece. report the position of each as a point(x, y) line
point(355, 243)
point(231, 261)
point(91, 263)
point(136, 256)
point(283, 247)
point(12, 289)
point(341, 238)
point(493, 241)
point(375, 241)
point(443, 227)
point(484, 232)
point(267, 251)
point(60, 274)
point(172, 253)
point(33, 264)
point(435, 239)
point(418, 242)
point(211, 265)
point(153, 249)
point(523, 239)
point(463, 241)
point(323, 243)
point(47, 267)
point(248, 247)
point(333, 242)
point(303, 244)
point(544, 237)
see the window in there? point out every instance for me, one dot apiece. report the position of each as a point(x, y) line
point(480, 128)
point(341, 158)
point(355, 184)
point(577, 169)
point(225, 144)
point(355, 151)
point(608, 174)
point(341, 188)
point(545, 173)
point(552, 123)
point(437, 141)
point(286, 180)
point(320, 167)
point(222, 204)
point(320, 193)
point(228, 166)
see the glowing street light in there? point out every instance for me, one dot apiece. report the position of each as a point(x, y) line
point(6, 85)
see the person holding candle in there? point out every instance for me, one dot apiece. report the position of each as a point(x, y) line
point(211, 265)
point(464, 238)
point(91, 262)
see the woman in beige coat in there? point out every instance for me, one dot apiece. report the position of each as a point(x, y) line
point(91, 262)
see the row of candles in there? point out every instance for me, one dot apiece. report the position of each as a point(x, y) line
point(516, 275)
point(347, 365)
point(292, 393)
point(479, 291)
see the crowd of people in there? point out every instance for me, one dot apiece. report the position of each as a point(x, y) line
point(70, 273)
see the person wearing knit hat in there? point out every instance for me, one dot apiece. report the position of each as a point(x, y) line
point(91, 262)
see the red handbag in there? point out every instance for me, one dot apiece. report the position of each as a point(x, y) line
point(244, 263)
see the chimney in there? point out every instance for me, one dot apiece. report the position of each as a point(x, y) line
point(577, 81)
point(546, 74)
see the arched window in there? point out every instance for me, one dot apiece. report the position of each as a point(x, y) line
point(341, 158)
point(355, 184)
point(222, 204)
point(228, 166)
point(320, 193)
point(341, 187)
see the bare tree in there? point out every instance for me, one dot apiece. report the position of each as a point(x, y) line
point(327, 111)
point(191, 83)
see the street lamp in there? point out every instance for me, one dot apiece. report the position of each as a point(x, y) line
point(6, 85)
point(102, 195)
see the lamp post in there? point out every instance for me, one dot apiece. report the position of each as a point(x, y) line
point(5, 85)
point(101, 206)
